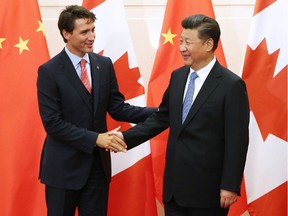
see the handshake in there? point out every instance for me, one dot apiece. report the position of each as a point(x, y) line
point(112, 141)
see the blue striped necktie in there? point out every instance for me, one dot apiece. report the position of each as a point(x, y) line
point(189, 96)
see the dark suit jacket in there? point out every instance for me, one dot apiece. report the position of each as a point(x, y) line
point(208, 152)
point(73, 118)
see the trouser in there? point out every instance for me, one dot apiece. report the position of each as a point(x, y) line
point(172, 208)
point(91, 200)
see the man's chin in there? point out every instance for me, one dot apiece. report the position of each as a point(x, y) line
point(187, 63)
point(89, 50)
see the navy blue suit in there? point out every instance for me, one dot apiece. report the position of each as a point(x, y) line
point(73, 119)
point(208, 152)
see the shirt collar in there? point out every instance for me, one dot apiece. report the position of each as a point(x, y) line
point(203, 72)
point(76, 59)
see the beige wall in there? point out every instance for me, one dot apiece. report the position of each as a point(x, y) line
point(145, 21)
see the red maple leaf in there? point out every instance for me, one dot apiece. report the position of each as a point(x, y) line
point(128, 78)
point(267, 94)
point(128, 85)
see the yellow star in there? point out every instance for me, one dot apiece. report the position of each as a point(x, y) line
point(41, 28)
point(1, 40)
point(169, 37)
point(22, 45)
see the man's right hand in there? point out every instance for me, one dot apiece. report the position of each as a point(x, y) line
point(110, 141)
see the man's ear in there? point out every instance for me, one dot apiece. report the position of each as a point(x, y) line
point(66, 34)
point(210, 44)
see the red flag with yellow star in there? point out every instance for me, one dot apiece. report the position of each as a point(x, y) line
point(167, 59)
point(22, 49)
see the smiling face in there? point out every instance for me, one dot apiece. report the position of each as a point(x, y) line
point(81, 39)
point(196, 53)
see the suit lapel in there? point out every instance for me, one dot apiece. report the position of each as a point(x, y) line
point(70, 73)
point(210, 84)
point(95, 73)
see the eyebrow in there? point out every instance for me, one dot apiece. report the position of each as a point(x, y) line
point(86, 30)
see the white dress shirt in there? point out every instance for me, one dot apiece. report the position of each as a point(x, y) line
point(76, 63)
point(199, 81)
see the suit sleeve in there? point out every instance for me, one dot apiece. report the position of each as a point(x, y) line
point(236, 136)
point(154, 124)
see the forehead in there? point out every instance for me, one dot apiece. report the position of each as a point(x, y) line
point(191, 34)
point(83, 23)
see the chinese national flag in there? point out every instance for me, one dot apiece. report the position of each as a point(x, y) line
point(167, 59)
point(265, 73)
point(22, 49)
point(132, 188)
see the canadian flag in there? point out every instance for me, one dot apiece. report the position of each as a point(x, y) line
point(265, 73)
point(132, 188)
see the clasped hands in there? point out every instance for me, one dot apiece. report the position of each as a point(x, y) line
point(112, 141)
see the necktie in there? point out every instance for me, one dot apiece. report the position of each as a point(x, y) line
point(84, 75)
point(189, 96)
